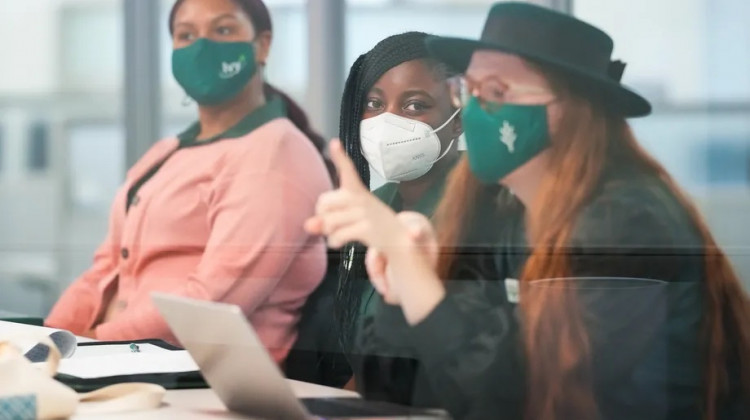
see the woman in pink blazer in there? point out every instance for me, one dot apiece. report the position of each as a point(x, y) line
point(217, 212)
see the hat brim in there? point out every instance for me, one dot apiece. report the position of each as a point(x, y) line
point(457, 52)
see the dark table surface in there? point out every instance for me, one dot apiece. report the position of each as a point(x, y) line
point(20, 318)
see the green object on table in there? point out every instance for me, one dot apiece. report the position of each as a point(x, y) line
point(21, 319)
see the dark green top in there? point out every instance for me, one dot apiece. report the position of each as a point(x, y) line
point(644, 336)
point(318, 355)
point(273, 108)
point(372, 301)
point(426, 205)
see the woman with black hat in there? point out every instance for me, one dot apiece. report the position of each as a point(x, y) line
point(608, 297)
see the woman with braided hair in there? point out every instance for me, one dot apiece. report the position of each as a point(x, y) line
point(396, 118)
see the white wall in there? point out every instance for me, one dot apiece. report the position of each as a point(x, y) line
point(728, 58)
point(663, 42)
point(29, 32)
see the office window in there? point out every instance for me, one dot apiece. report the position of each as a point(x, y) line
point(727, 161)
point(62, 63)
point(37, 151)
point(97, 67)
point(690, 57)
point(368, 22)
point(2, 149)
point(96, 165)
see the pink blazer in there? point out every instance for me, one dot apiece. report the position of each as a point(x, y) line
point(220, 222)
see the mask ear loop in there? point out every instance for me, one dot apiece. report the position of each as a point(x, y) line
point(445, 124)
point(445, 152)
point(450, 145)
point(447, 149)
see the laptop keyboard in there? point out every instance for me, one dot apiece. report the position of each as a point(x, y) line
point(355, 407)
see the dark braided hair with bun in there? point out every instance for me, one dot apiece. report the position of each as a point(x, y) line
point(364, 73)
point(260, 17)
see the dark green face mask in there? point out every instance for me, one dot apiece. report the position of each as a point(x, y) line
point(213, 72)
point(499, 142)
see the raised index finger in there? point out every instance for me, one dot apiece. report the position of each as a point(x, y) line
point(348, 175)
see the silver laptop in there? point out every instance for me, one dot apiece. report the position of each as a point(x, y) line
point(239, 369)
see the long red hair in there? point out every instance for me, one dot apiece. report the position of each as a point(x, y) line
point(588, 141)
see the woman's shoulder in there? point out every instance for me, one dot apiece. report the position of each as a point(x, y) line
point(636, 226)
point(638, 209)
point(161, 148)
point(276, 148)
point(155, 154)
point(635, 193)
point(275, 144)
point(279, 139)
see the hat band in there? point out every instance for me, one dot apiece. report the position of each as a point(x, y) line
point(616, 70)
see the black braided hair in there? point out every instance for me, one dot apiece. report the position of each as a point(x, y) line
point(365, 72)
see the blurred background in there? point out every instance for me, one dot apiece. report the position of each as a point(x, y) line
point(86, 87)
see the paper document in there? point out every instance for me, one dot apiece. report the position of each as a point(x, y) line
point(26, 337)
point(127, 363)
point(115, 349)
point(11, 329)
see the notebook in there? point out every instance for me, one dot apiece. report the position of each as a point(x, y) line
point(99, 364)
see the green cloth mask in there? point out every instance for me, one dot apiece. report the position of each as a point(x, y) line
point(213, 72)
point(499, 142)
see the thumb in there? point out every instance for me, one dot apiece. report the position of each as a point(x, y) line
point(348, 175)
point(375, 263)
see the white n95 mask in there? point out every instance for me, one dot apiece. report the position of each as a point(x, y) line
point(401, 149)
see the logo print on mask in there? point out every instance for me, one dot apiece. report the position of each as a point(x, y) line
point(508, 136)
point(229, 70)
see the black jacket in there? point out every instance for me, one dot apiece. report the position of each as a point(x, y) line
point(467, 355)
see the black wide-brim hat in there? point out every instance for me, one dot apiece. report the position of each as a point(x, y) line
point(553, 39)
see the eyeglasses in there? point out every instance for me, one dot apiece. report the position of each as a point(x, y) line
point(493, 93)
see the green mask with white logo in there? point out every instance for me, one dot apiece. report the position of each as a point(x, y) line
point(213, 72)
point(500, 141)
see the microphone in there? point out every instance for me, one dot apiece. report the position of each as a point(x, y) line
point(65, 342)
